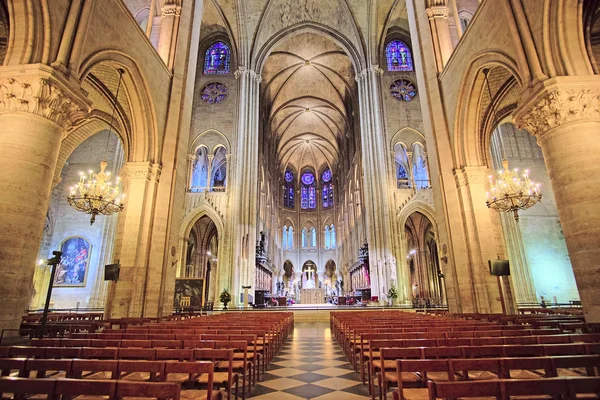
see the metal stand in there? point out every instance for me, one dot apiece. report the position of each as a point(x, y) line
point(53, 262)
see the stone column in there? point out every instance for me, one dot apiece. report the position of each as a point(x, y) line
point(37, 107)
point(440, 32)
point(564, 115)
point(190, 172)
point(127, 296)
point(210, 157)
point(377, 205)
point(170, 15)
point(245, 191)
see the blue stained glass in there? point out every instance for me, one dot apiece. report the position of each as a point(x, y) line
point(327, 175)
point(304, 197)
point(398, 56)
point(308, 178)
point(312, 197)
point(217, 59)
point(289, 176)
point(325, 196)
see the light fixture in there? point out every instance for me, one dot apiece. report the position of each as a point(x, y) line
point(510, 192)
point(95, 194)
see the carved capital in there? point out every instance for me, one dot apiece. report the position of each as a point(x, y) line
point(171, 8)
point(41, 91)
point(373, 70)
point(559, 101)
point(191, 157)
point(440, 11)
point(248, 73)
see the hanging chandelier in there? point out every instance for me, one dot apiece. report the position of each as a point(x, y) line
point(511, 192)
point(95, 194)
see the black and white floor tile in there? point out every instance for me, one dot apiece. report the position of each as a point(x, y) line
point(311, 365)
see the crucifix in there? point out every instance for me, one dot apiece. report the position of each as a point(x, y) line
point(309, 271)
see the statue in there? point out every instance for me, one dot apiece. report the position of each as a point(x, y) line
point(392, 261)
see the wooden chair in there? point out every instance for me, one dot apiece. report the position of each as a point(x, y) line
point(94, 369)
point(75, 343)
point(166, 344)
point(152, 390)
point(583, 388)
point(436, 370)
point(22, 387)
point(476, 369)
point(194, 371)
point(70, 388)
point(105, 343)
point(253, 356)
point(26, 351)
point(454, 390)
point(198, 344)
point(14, 367)
point(227, 379)
point(527, 368)
point(47, 368)
point(384, 369)
point(135, 370)
point(516, 389)
point(242, 365)
point(136, 343)
point(576, 366)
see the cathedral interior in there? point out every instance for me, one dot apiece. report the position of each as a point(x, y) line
point(306, 152)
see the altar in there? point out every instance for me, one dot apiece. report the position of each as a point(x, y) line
point(312, 296)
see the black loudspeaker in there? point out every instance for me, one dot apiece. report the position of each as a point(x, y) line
point(111, 272)
point(499, 267)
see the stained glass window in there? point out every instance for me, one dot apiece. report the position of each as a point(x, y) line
point(284, 239)
point(327, 238)
point(403, 90)
point(217, 59)
point(214, 92)
point(290, 237)
point(332, 236)
point(313, 238)
point(288, 189)
point(398, 56)
point(308, 192)
point(327, 189)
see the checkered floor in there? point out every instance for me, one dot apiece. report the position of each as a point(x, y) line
point(311, 365)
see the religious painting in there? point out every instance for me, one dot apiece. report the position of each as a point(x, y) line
point(189, 293)
point(74, 263)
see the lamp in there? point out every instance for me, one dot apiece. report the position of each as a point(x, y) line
point(510, 192)
point(95, 194)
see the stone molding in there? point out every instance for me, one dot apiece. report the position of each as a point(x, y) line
point(42, 93)
point(369, 71)
point(470, 176)
point(243, 71)
point(558, 107)
point(171, 8)
point(437, 12)
point(141, 170)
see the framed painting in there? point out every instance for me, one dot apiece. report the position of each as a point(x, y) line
point(189, 293)
point(74, 263)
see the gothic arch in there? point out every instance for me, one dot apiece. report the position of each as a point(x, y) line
point(29, 36)
point(189, 221)
point(259, 56)
point(143, 134)
point(212, 138)
point(403, 134)
point(421, 207)
point(467, 137)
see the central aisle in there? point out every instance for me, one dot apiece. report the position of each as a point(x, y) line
point(311, 365)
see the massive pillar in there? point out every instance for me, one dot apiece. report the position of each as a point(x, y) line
point(37, 106)
point(564, 114)
point(377, 204)
point(127, 296)
point(245, 191)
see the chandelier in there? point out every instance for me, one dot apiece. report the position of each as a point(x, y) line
point(511, 192)
point(95, 194)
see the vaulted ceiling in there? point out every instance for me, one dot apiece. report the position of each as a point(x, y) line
point(308, 85)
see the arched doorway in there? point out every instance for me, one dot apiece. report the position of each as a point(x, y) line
point(330, 280)
point(423, 263)
point(288, 279)
point(79, 282)
point(310, 279)
point(201, 255)
point(536, 247)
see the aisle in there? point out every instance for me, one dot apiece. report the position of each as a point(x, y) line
point(311, 365)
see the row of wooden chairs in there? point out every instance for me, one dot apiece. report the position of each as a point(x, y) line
point(49, 389)
point(410, 377)
point(197, 375)
point(557, 388)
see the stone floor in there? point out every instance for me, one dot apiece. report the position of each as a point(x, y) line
point(311, 365)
